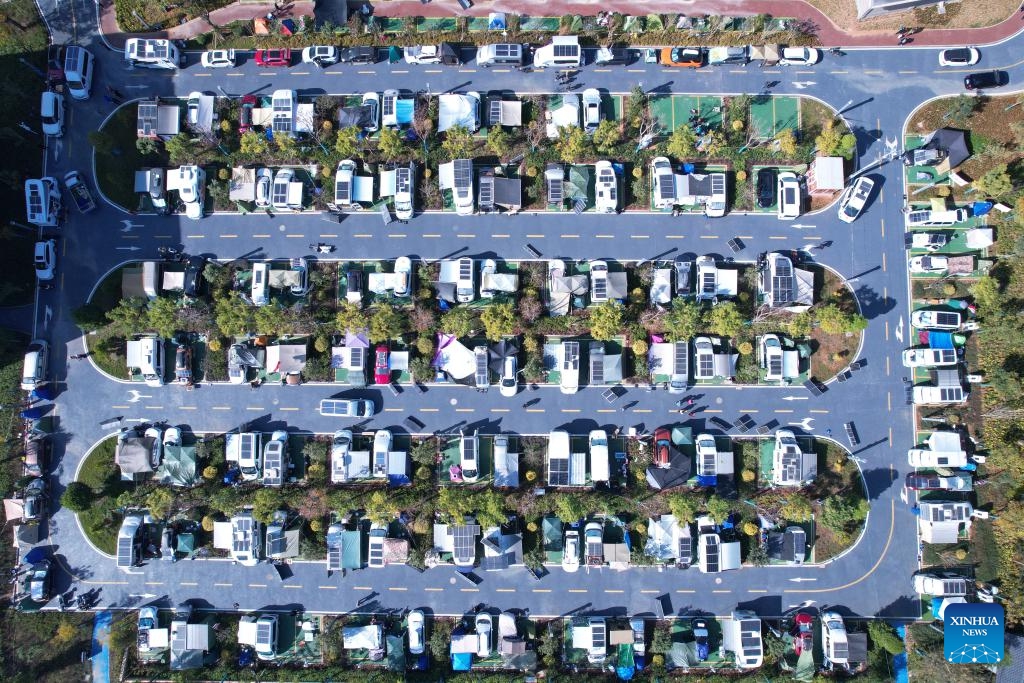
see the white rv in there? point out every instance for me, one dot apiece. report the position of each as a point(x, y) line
point(152, 53)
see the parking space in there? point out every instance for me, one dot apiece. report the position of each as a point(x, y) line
point(672, 111)
point(770, 115)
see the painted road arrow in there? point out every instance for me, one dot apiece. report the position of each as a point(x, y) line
point(801, 579)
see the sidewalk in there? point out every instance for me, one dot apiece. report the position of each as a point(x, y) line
point(828, 33)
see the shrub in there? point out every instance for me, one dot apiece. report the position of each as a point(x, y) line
point(949, 289)
point(741, 175)
point(315, 525)
point(423, 473)
point(960, 554)
point(745, 348)
point(641, 528)
point(737, 126)
point(640, 348)
point(532, 527)
point(750, 529)
point(77, 497)
point(748, 476)
point(208, 523)
point(943, 191)
point(223, 174)
point(209, 473)
point(214, 345)
point(531, 475)
point(322, 344)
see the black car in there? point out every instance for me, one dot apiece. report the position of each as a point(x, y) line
point(194, 275)
point(615, 56)
point(766, 188)
point(986, 79)
point(357, 55)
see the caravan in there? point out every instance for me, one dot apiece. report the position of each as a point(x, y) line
point(152, 53)
point(600, 469)
point(258, 290)
point(146, 357)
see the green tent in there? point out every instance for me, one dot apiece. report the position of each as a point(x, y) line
point(186, 544)
point(396, 653)
point(178, 467)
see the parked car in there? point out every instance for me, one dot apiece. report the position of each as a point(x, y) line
point(371, 100)
point(218, 59)
point(799, 56)
point(357, 55)
point(929, 358)
point(274, 58)
point(35, 500)
point(662, 447)
point(855, 198)
point(509, 377)
point(79, 191)
point(264, 188)
point(266, 637)
point(51, 114)
point(766, 188)
point(986, 79)
point(929, 264)
point(245, 113)
point(484, 634)
point(45, 259)
point(192, 108)
point(192, 284)
point(423, 54)
point(33, 371)
point(192, 190)
point(591, 110)
point(381, 370)
point(417, 631)
point(571, 551)
point(34, 464)
point(692, 57)
point(959, 56)
point(931, 319)
point(321, 55)
point(929, 241)
point(789, 196)
point(38, 582)
point(701, 638)
point(182, 367)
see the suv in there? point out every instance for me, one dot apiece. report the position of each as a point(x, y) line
point(986, 79)
point(51, 113)
point(591, 110)
point(321, 55)
point(509, 379)
point(357, 55)
point(765, 188)
point(789, 195)
point(274, 58)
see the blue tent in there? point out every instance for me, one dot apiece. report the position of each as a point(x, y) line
point(404, 109)
point(461, 661)
point(980, 208)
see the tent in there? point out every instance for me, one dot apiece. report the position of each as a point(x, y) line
point(243, 184)
point(362, 637)
point(454, 358)
point(133, 455)
point(355, 117)
point(953, 141)
point(496, 21)
point(979, 238)
point(562, 289)
point(458, 110)
point(178, 467)
point(396, 653)
point(498, 352)
point(566, 115)
point(286, 358)
point(768, 55)
point(581, 182)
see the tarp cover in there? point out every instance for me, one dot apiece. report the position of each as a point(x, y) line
point(979, 238)
point(285, 358)
point(362, 637)
point(396, 653)
point(133, 453)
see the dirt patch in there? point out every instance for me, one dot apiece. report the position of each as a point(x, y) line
point(833, 352)
point(843, 13)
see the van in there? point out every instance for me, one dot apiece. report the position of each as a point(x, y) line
point(931, 395)
point(564, 51)
point(727, 55)
point(152, 53)
point(78, 68)
point(936, 218)
point(389, 109)
point(680, 378)
point(600, 467)
point(258, 294)
point(34, 372)
point(499, 54)
point(150, 279)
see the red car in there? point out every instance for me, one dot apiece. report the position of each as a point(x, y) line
point(662, 447)
point(245, 113)
point(280, 57)
point(381, 371)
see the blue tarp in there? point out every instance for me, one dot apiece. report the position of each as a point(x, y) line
point(980, 208)
point(101, 647)
point(940, 340)
point(462, 661)
point(404, 111)
point(899, 662)
point(707, 480)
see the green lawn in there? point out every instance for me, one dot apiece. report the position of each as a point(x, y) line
point(116, 166)
point(101, 474)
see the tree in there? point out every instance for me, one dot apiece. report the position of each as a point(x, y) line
point(265, 502)
point(683, 506)
point(986, 295)
point(270, 319)
point(459, 321)
point(349, 318)
point(995, 183)
point(160, 502)
point(571, 507)
point(77, 497)
point(89, 317)
point(884, 636)
point(499, 320)
point(389, 144)
point(234, 317)
point(497, 141)
point(682, 144)
point(181, 149)
point(714, 143)
point(217, 276)
point(253, 146)
point(606, 320)
point(636, 107)
point(718, 508)
point(571, 144)
point(834, 320)
point(683, 320)
point(147, 146)
point(796, 508)
point(421, 368)
point(840, 513)
point(425, 452)
point(847, 146)
point(726, 320)
point(287, 147)
point(607, 136)
point(458, 143)
point(800, 325)
point(346, 144)
point(489, 506)
point(128, 317)
point(386, 323)
point(829, 139)
point(454, 503)
point(162, 316)
point(960, 109)
point(786, 142)
point(379, 509)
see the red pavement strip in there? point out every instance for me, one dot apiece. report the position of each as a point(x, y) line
point(828, 33)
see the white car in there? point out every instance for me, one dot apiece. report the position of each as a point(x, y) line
point(929, 241)
point(372, 100)
point(928, 358)
point(484, 634)
point(45, 259)
point(264, 188)
point(929, 264)
point(789, 196)
point(321, 55)
point(192, 108)
point(423, 54)
point(855, 198)
point(172, 437)
point(571, 552)
point(417, 631)
point(509, 377)
point(218, 59)
point(51, 114)
point(959, 56)
point(403, 267)
point(591, 110)
point(800, 56)
point(192, 190)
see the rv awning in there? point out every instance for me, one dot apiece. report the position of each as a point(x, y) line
point(222, 536)
point(133, 455)
point(351, 550)
point(132, 286)
point(661, 286)
point(283, 279)
point(14, 509)
point(172, 280)
point(979, 238)
point(362, 189)
point(285, 358)
point(725, 364)
point(457, 110)
point(446, 176)
point(828, 173)
point(243, 185)
point(405, 109)
point(618, 287)
point(565, 116)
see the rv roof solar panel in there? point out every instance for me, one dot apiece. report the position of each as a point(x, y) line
point(566, 50)
point(482, 376)
point(666, 187)
point(463, 539)
point(571, 352)
point(35, 203)
point(840, 650)
point(708, 463)
point(556, 191)
point(599, 636)
point(708, 282)
point(403, 179)
point(124, 551)
point(682, 356)
point(601, 288)
point(717, 183)
point(494, 112)
point(486, 194)
point(947, 319)
point(706, 364)
point(276, 542)
point(333, 558)
point(357, 356)
point(790, 466)
point(504, 50)
point(343, 191)
point(558, 471)
point(597, 368)
point(775, 366)
point(951, 394)
point(469, 443)
point(263, 632)
point(389, 105)
point(463, 170)
point(147, 118)
point(711, 555)
point(280, 193)
point(242, 537)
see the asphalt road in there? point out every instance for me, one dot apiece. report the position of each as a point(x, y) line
point(876, 89)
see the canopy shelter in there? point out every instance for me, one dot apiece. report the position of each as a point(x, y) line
point(454, 358)
point(498, 352)
point(369, 637)
point(360, 116)
point(458, 110)
point(133, 455)
point(286, 358)
point(282, 543)
point(563, 289)
point(284, 279)
point(243, 184)
point(979, 238)
point(178, 467)
point(826, 175)
point(768, 55)
point(566, 115)
point(502, 112)
point(953, 142)
point(581, 182)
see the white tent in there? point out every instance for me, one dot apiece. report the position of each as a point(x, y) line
point(362, 637)
point(243, 184)
point(285, 358)
point(458, 110)
point(456, 359)
point(567, 115)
